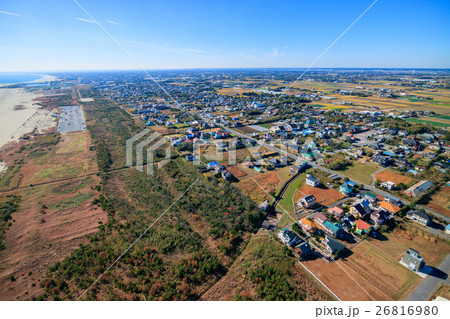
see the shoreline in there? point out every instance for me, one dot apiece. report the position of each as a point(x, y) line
point(20, 115)
point(45, 78)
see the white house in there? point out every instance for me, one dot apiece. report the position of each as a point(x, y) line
point(312, 181)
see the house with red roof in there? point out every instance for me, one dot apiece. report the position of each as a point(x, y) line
point(362, 227)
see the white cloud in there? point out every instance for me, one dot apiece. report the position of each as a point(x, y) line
point(248, 56)
point(84, 20)
point(195, 50)
point(166, 48)
point(12, 14)
point(114, 22)
point(273, 54)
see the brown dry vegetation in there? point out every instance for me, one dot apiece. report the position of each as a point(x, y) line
point(440, 201)
point(324, 196)
point(396, 178)
point(236, 171)
point(39, 237)
point(269, 182)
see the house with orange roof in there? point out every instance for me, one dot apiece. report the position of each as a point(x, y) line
point(393, 209)
point(362, 227)
point(307, 225)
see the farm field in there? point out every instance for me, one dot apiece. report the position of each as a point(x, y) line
point(246, 130)
point(383, 275)
point(430, 120)
point(360, 171)
point(393, 176)
point(406, 236)
point(378, 259)
point(233, 91)
point(440, 201)
point(340, 283)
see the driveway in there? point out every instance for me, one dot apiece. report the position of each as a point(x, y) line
point(430, 283)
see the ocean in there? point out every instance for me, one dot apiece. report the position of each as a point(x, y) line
point(6, 78)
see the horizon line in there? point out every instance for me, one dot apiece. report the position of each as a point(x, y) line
point(40, 72)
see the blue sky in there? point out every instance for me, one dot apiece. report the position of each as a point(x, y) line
point(52, 35)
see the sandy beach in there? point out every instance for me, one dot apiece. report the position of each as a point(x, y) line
point(45, 78)
point(19, 115)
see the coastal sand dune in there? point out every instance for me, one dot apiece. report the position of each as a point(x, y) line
point(19, 116)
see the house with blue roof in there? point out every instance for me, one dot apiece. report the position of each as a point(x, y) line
point(332, 229)
point(346, 189)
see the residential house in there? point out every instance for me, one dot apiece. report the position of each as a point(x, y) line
point(332, 229)
point(358, 210)
point(337, 212)
point(413, 260)
point(333, 246)
point(379, 217)
point(389, 185)
point(393, 200)
point(264, 206)
point(411, 143)
point(382, 160)
point(391, 208)
point(217, 168)
point(275, 162)
point(288, 237)
point(371, 197)
point(226, 175)
point(308, 201)
point(419, 188)
point(366, 204)
point(419, 217)
point(303, 249)
point(307, 225)
point(346, 189)
point(312, 181)
point(362, 228)
point(320, 218)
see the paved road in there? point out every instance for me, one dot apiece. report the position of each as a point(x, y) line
point(375, 173)
point(430, 283)
point(367, 187)
point(71, 119)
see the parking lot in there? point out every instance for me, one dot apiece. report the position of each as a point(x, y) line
point(71, 119)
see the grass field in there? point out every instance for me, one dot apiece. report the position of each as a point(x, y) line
point(360, 171)
point(428, 121)
point(286, 201)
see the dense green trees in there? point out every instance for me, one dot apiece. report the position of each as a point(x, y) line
point(271, 285)
point(6, 209)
